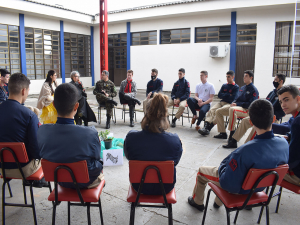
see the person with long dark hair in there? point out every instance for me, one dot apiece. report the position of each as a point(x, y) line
point(46, 97)
point(154, 143)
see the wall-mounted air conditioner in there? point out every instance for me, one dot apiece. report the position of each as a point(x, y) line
point(218, 51)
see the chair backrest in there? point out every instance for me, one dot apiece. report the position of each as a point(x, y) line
point(254, 174)
point(136, 171)
point(18, 148)
point(79, 169)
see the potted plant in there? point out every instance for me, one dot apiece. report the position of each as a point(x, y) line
point(107, 140)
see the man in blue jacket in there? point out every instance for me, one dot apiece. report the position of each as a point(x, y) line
point(264, 152)
point(155, 85)
point(278, 82)
point(20, 124)
point(179, 95)
point(64, 142)
point(238, 108)
point(227, 94)
point(290, 102)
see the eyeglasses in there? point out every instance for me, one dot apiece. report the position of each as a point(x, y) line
point(76, 76)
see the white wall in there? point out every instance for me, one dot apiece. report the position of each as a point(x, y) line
point(264, 55)
point(117, 28)
point(42, 23)
point(168, 58)
point(77, 28)
point(9, 18)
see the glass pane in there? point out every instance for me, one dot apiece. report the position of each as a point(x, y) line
point(29, 30)
point(135, 34)
point(246, 27)
point(38, 41)
point(56, 38)
point(38, 35)
point(28, 66)
point(185, 35)
point(212, 39)
point(3, 50)
point(48, 61)
point(212, 28)
point(144, 38)
point(152, 42)
point(38, 31)
point(3, 38)
point(38, 46)
point(38, 56)
point(201, 35)
point(3, 32)
point(48, 56)
point(28, 40)
point(4, 61)
point(29, 62)
point(174, 41)
point(200, 29)
point(55, 33)
point(4, 27)
point(3, 44)
point(185, 31)
point(47, 32)
point(66, 35)
point(14, 50)
point(47, 42)
point(154, 33)
point(175, 31)
point(15, 61)
point(14, 34)
point(38, 51)
point(15, 56)
point(47, 37)
point(201, 40)
point(55, 42)
point(48, 47)
point(29, 35)
point(185, 40)
point(213, 34)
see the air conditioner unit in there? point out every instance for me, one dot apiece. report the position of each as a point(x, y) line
point(218, 51)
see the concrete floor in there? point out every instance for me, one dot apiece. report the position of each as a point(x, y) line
point(198, 151)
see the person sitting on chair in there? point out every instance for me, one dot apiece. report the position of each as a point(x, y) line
point(264, 152)
point(64, 142)
point(238, 108)
point(84, 111)
point(4, 93)
point(290, 102)
point(278, 82)
point(140, 145)
point(227, 94)
point(20, 124)
point(127, 95)
point(179, 95)
point(155, 85)
point(204, 95)
point(105, 90)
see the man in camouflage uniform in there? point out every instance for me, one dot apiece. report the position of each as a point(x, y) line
point(105, 90)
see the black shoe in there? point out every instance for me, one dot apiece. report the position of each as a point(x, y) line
point(113, 102)
point(231, 134)
point(192, 203)
point(231, 144)
point(40, 183)
point(174, 122)
point(216, 206)
point(78, 121)
point(203, 131)
point(107, 123)
point(137, 101)
point(221, 136)
point(131, 123)
point(85, 122)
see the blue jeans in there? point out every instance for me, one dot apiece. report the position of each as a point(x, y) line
point(193, 105)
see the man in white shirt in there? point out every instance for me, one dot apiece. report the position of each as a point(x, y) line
point(204, 95)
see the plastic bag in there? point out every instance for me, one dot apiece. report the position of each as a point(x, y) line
point(117, 143)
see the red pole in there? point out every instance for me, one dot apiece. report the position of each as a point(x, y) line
point(103, 35)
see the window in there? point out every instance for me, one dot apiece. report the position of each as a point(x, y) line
point(9, 48)
point(212, 34)
point(117, 40)
point(175, 36)
point(77, 54)
point(42, 52)
point(246, 34)
point(144, 38)
point(283, 49)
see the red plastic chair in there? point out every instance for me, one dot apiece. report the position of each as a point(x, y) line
point(256, 178)
point(151, 172)
point(75, 173)
point(15, 152)
point(284, 184)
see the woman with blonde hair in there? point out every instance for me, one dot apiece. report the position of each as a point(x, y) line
point(46, 97)
point(154, 143)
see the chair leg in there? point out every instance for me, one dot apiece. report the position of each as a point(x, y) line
point(170, 214)
point(98, 115)
point(260, 214)
point(53, 213)
point(89, 214)
point(3, 203)
point(236, 216)
point(267, 215)
point(69, 213)
point(172, 112)
point(50, 188)
point(33, 205)
point(135, 115)
point(206, 205)
point(24, 192)
point(9, 189)
point(132, 213)
point(228, 216)
point(278, 200)
point(100, 210)
point(115, 115)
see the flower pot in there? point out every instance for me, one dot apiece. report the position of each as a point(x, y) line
point(108, 144)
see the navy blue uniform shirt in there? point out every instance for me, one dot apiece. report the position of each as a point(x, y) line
point(247, 94)
point(294, 160)
point(64, 142)
point(273, 98)
point(228, 92)
point(265, 151)
point(19, 124)
point(181, 89)
point(147, 146)
point(154, 86)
